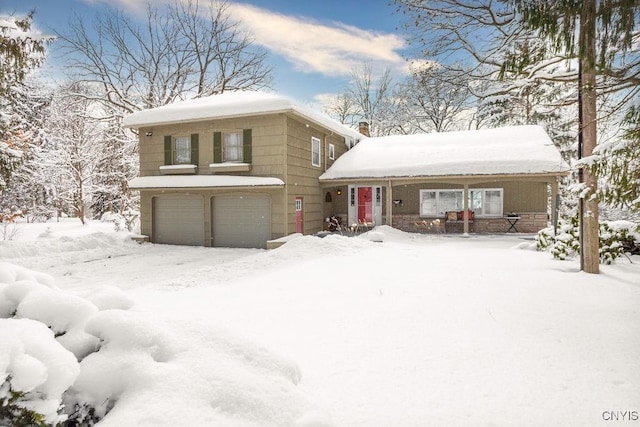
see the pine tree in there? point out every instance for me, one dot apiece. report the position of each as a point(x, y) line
point(21, 51)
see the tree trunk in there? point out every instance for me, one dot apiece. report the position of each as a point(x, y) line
point(589, 217)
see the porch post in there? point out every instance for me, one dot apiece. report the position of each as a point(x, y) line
point(554, 205)
point(465, 214)
point(389, 220)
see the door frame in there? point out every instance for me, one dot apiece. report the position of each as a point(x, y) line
point(376, 203)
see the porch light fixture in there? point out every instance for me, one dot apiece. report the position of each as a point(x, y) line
point(149, 133)
point(339, 192)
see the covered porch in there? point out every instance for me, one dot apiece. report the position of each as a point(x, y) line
point(447, 204)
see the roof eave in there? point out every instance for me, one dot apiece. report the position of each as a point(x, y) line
point(422, 178)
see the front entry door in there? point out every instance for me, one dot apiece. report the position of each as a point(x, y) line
point(299, 218)
point(365, 211)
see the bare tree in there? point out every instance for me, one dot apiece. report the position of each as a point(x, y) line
point(178, 52)
point(435, 103)
point(367, 99)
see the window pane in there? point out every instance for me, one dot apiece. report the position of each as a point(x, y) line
point(428, 203)
point(182, 150)
point(475, 201)
point(449, 200)
point(493, 202)
point(232, 151)
point(315, 151)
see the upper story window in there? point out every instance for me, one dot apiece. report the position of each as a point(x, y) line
point(315, 151)
point(233, 146)
point(332, 151)
point(232, 150)
point(181, 150)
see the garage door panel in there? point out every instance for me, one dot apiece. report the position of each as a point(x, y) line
point(241, 221)
point(178, 220)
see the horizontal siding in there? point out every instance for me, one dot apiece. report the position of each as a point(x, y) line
point(267, 143)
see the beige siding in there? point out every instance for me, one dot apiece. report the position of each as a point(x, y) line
point(302, 176)
point(281, 148)
point(267, 143)
point(519, 196)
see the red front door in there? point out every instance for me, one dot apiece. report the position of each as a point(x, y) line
point(299, 224)
point(365, 211)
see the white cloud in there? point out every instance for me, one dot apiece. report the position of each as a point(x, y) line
point(314, 47)
point(310, 46)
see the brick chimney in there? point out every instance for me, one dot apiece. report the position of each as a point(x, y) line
point(363, 128)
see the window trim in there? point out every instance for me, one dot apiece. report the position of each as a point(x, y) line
point(174, 149)
point(482, 213)
point(477, 213)
point(239, 148)
point(316, 153)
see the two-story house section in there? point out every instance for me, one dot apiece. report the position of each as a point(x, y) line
point(234, 170)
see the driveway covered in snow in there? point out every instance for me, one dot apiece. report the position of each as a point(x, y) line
point(415, 330)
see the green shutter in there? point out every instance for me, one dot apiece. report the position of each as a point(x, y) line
point(167, 150)
point(217, 147)
point(246, 146)
point(194, 149)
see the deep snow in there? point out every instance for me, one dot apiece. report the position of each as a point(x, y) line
point(414, 330)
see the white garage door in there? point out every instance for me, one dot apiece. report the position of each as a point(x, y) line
point(241, 221)
point(178, 220)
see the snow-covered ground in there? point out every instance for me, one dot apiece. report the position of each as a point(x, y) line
point(341, 331)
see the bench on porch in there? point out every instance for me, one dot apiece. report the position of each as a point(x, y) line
point(454, 221)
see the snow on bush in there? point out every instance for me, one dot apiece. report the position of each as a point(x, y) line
point(110, 297)
point(86, 360)
point(65, 314)
point(615, 239)
point(36, 370)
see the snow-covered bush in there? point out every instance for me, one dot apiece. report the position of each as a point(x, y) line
point(43, 340)
point(71, 361)
point(35, 370)
point(616, 239)
point(126, 221)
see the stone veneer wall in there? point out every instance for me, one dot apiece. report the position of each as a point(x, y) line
point(530, 222)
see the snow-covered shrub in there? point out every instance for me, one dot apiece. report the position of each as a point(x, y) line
point(43, 339)
point(615, 240)
point(126, 221)
point(35, 371)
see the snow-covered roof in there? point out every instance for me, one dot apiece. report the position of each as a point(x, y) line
point(507, 150)
point(231, 104)
point(202, 181)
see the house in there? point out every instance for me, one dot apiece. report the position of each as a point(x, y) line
point(504, 178)
point(239, 169)
point(233, 170)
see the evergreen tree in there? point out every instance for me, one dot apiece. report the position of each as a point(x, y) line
point(22, 50)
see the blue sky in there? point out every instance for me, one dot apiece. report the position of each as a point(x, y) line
point(313, 44)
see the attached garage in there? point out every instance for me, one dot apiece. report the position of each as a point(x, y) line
point(241, 221)
point(178, 220)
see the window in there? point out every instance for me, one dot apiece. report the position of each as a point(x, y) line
point(485, 202)
point(181, 150)
point(232, 151)
point(315, 151)
point(437, 202)
point(332, 151)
